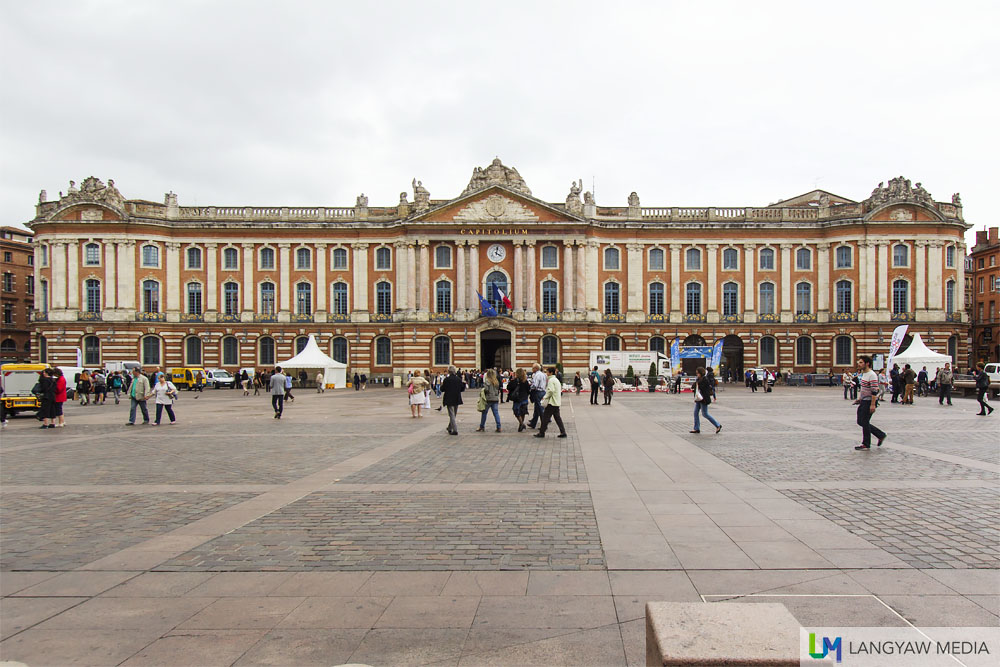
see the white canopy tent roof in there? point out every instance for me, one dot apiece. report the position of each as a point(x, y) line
point(918, 355)
point(334, 372)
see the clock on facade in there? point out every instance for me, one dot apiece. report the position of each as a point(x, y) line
point(496, 253)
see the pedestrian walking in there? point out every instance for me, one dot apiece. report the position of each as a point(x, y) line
point(867, 402)
point(609, 386)
point(922, 379)
point(116, 383)
point(100, 388)
point(595, 385)
point(278, 391)
point(896, 378)
point(578, 383)
point(47, 393)
point(552, 402)
point(138, 392)
point(199, 383)
point(416, 388)
point(944, 379)
point(847, 381)
point(702, 399)
point(490, 395)
point(909, 379)
point(165, 393)
point(982, 390)
point(83, 388)
point(754, 381)
point(538, 384)
point(357, 382)
point(451, 390)
point(364, 382)
point(288, 388)
point(60, 397)
point(520, 393)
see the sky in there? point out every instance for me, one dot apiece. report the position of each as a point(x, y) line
point(311, 103)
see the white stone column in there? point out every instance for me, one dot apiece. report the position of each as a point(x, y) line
point(425, 276)
point(712, 251)
point(285, 277)
point(749, 284)
point(580, 301)
point(411, 277)
point(593, 282)
point(360, 277)
point(920, 263)
point(128, 286)
point(884, 299)
point(401, 276)
point(868, 276)
point(249, 288)
point(532, 279)
point(786, 277)
point(823, 277)
point(460, 278)
point(474, 278)
point(519, 279)
point(960, 251)
point(73, 275)
point(173, 301)
point(110, 280)
point(567, 276)
point(676, 308)
point(634, 271)
point(36, 303)
point(212, 285)
point(935, 284)
point(322, 288)
point(57, 259)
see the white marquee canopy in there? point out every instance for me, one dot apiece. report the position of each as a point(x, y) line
point(311, 357)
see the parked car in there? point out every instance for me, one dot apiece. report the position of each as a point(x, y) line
point(760, 375)
point(220, 378)
point(185, 378)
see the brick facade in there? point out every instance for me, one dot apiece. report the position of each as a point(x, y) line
point(17, 293)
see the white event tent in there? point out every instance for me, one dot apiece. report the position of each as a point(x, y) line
point(313, 358)
point(918, 355)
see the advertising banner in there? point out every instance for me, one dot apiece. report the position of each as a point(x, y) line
point(897, 339)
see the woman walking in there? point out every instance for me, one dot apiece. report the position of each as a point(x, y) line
point(609, 386)
point(165, 392)
point(519, 393)
point(491, 392)
point(83, 388)
point(47, 385)
point(702, 388)
point(578, 383)
point(60, 399)
point(417, 388)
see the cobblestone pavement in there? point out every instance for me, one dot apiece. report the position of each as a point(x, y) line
point(349, 532)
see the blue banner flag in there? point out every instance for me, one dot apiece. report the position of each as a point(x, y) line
point(717, 354)
point(485, 307)
point(675, 356)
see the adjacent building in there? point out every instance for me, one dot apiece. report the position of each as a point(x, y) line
point(17, 293)
point(984, 332)
point(803, 285)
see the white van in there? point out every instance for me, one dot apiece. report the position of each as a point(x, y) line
point(219, 378)
point(993, 371)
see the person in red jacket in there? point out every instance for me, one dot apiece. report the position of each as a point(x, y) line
point(57, 407)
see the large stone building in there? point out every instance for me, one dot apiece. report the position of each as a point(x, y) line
point(17, 293)
point(803, 285)
point(984, 286)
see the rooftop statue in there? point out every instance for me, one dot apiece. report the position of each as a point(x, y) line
point(496, 174)
point(94, 190)
point(899, 189)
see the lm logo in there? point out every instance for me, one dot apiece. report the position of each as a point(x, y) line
point(828, 646)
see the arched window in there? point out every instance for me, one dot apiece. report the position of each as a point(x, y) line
point(194, 298)
point(550, 297)
point(656, 292)
point(657, 344)
point(949, 254)
point(611, 259)
point(500, 280)
point(91, 351)
point(303, 299)
point(267, 300)
point(267, 258)
point(383, 298)
point(442, 257)
point(339, 301)
point(550, 257)
point(300, 343)
point(900, 254)
point(730, 259)
point(692, 301)
point(803, 299)
point(442, 351)
point(803, 351)
point(383, 259)
point(93, 295)
point(768, 351)
point(692, 258)
point(845, 297)
point(231, 298)
point(194, 258)
point(9, 347)
point(442, 296)
point(92, 254)
point(550, 350)
point(803, 259)
point(265, 351)
point(192, 351)
point(844, 259)
point(383, 351)
point(339, 258)
point(694, 339)
point(230, 351)
point(843, 348)
point(656, 259)
point(730, 298)
point(766, 259)
point(303, 259)
point(612, 303)
point(44, 286)
point(613, 343)
point(230, 259)
point(949, 296)
point(150, 351)
point(150, 296)
point(900, 296)
point(340, 349)
point(765, 304)
point(150, 256)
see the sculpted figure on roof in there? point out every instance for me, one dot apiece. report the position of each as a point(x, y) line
point(496, 174)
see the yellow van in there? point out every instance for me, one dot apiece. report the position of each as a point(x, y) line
point(18, 381)
point(185, 377)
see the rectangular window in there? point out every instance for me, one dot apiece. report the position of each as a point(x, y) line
point(31, 285)
point(230, 259)
point(31, 260)
point(339, 258)
point(150, 256)
point(550, 257)
point(194, 299)
point(8, 282)
point(194, 258)
point(766, 259)
point(844, 257)
point(8, 257)
point(8, 314)
point(656, 259)
point(730, 259)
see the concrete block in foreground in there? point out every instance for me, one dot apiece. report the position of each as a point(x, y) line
point(704, 634)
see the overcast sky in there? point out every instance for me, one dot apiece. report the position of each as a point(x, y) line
point(312, 103)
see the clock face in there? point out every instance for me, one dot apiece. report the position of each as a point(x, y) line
point(496, 252)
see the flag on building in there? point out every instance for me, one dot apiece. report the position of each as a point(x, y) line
point(485, 307)
point(498, 295)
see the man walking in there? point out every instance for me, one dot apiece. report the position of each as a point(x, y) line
point(944, 378)
point(867, 404)
point(277, 392)
point(538, 386)
point(452, 387)
point(983, 390)
point(595, 385)
point(553, 401)
point(138, 392)
point(909, 380)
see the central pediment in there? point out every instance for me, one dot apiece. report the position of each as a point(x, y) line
point(495, 204)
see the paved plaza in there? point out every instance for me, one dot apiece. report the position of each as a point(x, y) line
point(349, 532)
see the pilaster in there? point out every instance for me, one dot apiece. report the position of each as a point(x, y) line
point(635, 304)
point(519, 279)
point(425, 276)
point(57, 258)
point(935, 272)
point(474, 278)
point(593, 284)
point(285, 277)
point(712, 252)
point(567, 278)
point(360, 307)
point(402, 277)
point(823, 277)
point(460, 279)
point(73, 275)
point(920, 291)
point(749, 284)
point(883, 275)
point(110, 280)
point(581, 277)
point(411, 277)
point(786, 279)
point(676, 306)
point(322, 288)
point(532, 281)
point(249, 288)
point(173, 306)
point(212, 285)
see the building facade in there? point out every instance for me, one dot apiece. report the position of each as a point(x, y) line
point(984, 261)
point(17, 293)
point(803, 285)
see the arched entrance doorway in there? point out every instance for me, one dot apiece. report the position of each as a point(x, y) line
point(732, 357)
point(693, 353)
point(494, 349)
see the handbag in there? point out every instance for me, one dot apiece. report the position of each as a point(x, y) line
point(481, 404)
point(697, 394)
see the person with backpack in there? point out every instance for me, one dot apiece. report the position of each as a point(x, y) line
point(489, 399)
point(83, 387)
point(702, 388)
point(116, 386)
point(982, 390)
point(520, 390)
point(595, 385)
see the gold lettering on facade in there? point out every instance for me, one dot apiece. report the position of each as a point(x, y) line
point(494, 231)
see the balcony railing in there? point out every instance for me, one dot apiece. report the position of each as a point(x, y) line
point(735, 318)
point(229, 318)
point(441, 317)
point(768, 317)
point(805, 318)
point(192, 317)
point(265, 318)
point(85, 316)
point(695, 318)
point(661, 318)
point(903, 317)
point(843, 317)
point(338, 317)
point(150, 317)
point(550, 317)
point(39, 317)
point(953, 317)
point(381, 317)
point(301, 317)
point(614, 317)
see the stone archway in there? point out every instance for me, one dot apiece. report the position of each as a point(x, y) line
point(495, 349)
point(732, 356)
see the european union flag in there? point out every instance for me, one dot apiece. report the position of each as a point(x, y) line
point(485, 307)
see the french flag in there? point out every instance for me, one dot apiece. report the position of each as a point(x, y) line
point(500, 296)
